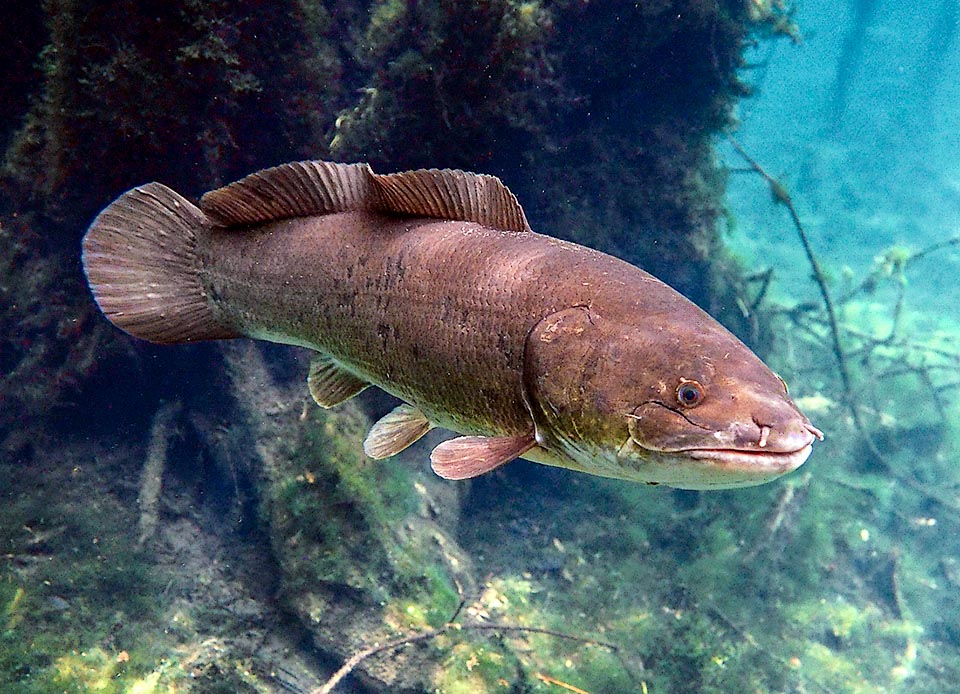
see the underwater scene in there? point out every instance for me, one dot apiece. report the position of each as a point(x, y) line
point(349, 425)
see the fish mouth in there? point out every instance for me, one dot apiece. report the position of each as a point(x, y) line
point(764, 464)
point(710, 468)
point(725, 468)
point(748, 466)
point(733, 468)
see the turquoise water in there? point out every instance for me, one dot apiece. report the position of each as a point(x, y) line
point(872, 163)
point(859, 122)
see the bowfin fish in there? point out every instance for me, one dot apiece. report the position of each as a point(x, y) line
point(431, 285)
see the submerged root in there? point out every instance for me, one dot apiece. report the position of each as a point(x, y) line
point(896, 263)
point(151, 477)
point(869, 358)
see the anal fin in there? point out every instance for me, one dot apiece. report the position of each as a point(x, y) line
point(330, 384)
point(393, 432)
point(470, 456)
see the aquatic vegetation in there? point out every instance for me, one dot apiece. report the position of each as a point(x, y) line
point(751, 607)
point(870, 345)
point(335, 510)
point(508, 658)
point(48, 344)
point(631, 154)
point(73, 592)
point(892, 441)
point(358, 544)
point(459, 78)
point(775, 16)
point(102, 73)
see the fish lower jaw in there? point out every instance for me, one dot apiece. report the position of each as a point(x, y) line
point(709, 469)
point(733, 468)
point(701, 469)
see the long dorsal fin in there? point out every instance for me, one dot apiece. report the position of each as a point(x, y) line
point(452, 194)
point(292, 190)
point(309, 188)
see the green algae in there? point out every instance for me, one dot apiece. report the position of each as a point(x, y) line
point(80, 584)
point(478, 667)
point(336, 510)
point(472, 69)
point(762, 600)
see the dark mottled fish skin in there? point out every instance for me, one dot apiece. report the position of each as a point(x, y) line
point(435, 312)
point(431, 286)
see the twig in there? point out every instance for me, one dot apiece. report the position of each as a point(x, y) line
point(547, 679)
point(905, 344)
point(748, 637)
point(360, 656)
point(766, 279)
point(540, 630)
point(933, 248)
point(879, 273)
point(782, 196)
point(781, 510)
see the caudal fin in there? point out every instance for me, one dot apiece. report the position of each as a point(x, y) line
point(141, 261)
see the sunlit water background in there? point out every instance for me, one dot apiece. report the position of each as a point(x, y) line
point(878, 169)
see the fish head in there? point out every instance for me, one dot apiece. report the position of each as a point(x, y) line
point(689, 406)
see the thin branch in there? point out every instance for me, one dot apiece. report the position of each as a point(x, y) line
point(540, 630)
point(360, 656)
point(748, 637)
point(933, 248)
point(547, 679)
point(766, 279)
point(884, 270)
point(782, 196)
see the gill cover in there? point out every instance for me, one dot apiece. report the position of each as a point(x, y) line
point(564, 355)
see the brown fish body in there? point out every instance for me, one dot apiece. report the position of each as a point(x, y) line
point(385, 297)
point(435, 312)
point(527, 344)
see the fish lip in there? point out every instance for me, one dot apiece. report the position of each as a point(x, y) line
point(769, 452)
point(784, 461)
point(713, 468)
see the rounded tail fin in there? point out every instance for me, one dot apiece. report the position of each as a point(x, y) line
point(141, 261)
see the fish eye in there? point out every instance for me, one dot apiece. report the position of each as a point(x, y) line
point(689, 393)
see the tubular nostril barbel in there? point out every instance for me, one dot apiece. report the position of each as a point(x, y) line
point(764, 433)
point(813, 430)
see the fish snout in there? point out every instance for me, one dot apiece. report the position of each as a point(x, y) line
point(776, 435)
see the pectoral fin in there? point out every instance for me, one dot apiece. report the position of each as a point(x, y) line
point(330, 384)
point(470, 456)
point(393, 432)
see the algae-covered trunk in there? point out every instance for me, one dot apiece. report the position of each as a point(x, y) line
point(365, 548)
